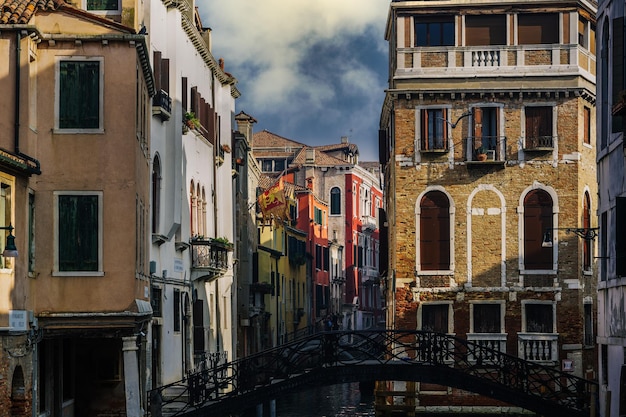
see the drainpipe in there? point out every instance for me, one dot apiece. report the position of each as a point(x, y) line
point(18, 77)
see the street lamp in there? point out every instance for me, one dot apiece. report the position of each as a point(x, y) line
point(10, 250)
point(587, 233)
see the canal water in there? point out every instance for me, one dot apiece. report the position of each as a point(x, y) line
point(341, 400)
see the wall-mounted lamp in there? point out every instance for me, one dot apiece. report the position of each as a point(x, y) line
point(587, 233)
point(10, 250)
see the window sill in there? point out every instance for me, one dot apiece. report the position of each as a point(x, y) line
point(538, 272)
point(78, 274)
point(58, 131)
point(443, 272)
point(6, 271)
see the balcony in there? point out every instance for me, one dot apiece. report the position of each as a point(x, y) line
point(162, 105)
point(209, 255)
point(486, 150)
point(495, 61)
point(369, 223)
point(539, 144)
point(437, 145)
point(538, 347)
point(368, 275)
point(490, 342)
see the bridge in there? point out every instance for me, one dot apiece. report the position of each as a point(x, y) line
point(366, 356)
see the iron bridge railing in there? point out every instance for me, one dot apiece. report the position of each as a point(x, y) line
point(381, 347)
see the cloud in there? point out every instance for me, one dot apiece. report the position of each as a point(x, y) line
point(304, 67)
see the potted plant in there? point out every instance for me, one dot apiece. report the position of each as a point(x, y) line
point(191, 121)
point(481, 153)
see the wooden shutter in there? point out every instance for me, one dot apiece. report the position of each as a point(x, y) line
point(620, 236)
point(157, 70)
point(165, 75)
point(537, 221)
point(184, 93)
point(485, 30)
point(538, 28)
point(198, 326)
point(435, 232)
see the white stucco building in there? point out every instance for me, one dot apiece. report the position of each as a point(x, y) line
point(192, 196)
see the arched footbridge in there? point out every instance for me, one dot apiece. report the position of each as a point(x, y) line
point(366, 356)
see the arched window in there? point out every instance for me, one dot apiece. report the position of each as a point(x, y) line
point(199, 202)
point(537, 229)
point(156, 193)
point(335, 200)
point(586, 226)
point(193, 228)
point(435, 232)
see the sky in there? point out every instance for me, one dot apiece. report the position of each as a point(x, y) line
point(310, 71)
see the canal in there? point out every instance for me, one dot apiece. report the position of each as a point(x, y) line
point(341, 400)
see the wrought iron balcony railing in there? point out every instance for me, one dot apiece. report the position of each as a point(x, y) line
point(486, 149)
point(539, 143)
point(162, 105)
point(210, 254)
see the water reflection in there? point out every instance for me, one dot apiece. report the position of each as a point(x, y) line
point(341, 400)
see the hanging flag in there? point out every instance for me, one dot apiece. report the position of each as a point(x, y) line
point(272, 202)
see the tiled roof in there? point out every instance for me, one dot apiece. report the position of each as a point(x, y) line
point(267, 139)
point(20, 11)
point(351, 147)
point(321, 158)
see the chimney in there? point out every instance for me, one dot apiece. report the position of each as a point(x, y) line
point(310, 156)
point(344, 139)
point(221, 62)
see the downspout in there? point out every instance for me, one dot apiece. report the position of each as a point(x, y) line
point(18, 77)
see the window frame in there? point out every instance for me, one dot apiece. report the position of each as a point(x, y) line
point(100, 271)
point(538, 128)
point(419, 233)
point(432, 24)
point(428, 141)
point(501, 307)
point(551, 228)
point(8, 206)
point(117, 11)
point(57, 109)
point(335, 201)
point(538, 29)
point(436, 304)
point(526, 303)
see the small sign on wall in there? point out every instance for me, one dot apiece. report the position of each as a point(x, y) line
point(567, 365)
point(178, 265)
point(18, 320)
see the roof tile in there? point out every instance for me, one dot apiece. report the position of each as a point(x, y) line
point(21, 11)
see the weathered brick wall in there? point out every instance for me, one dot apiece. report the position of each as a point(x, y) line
point(491, 217)
point(15, 401)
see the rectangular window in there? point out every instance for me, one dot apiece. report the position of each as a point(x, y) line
point(79, 93)
point(587, 125)
point(318, 257)
point(103, 5)
point(176, 312)
point(435, 317)
point(326, 258)
point(539, 127)
point(79, 232)
point(6, 213)
point(31, 232)
point(617, 73)
point(485, 30)
point(539, 318)
point(437, 31)
point(318, 216)
point(589, 337)
point(538, 28)
point(156, 302)
point(434, 129)
point(487, 318)
point(620, 236)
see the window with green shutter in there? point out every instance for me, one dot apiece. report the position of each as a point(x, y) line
point(78, 235)
point(79, 94)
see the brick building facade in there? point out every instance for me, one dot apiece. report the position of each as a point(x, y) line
point(489, 163)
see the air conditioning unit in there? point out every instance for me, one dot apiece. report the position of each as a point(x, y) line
point(491, 155)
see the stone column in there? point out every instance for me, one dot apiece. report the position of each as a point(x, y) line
point(131, 376)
